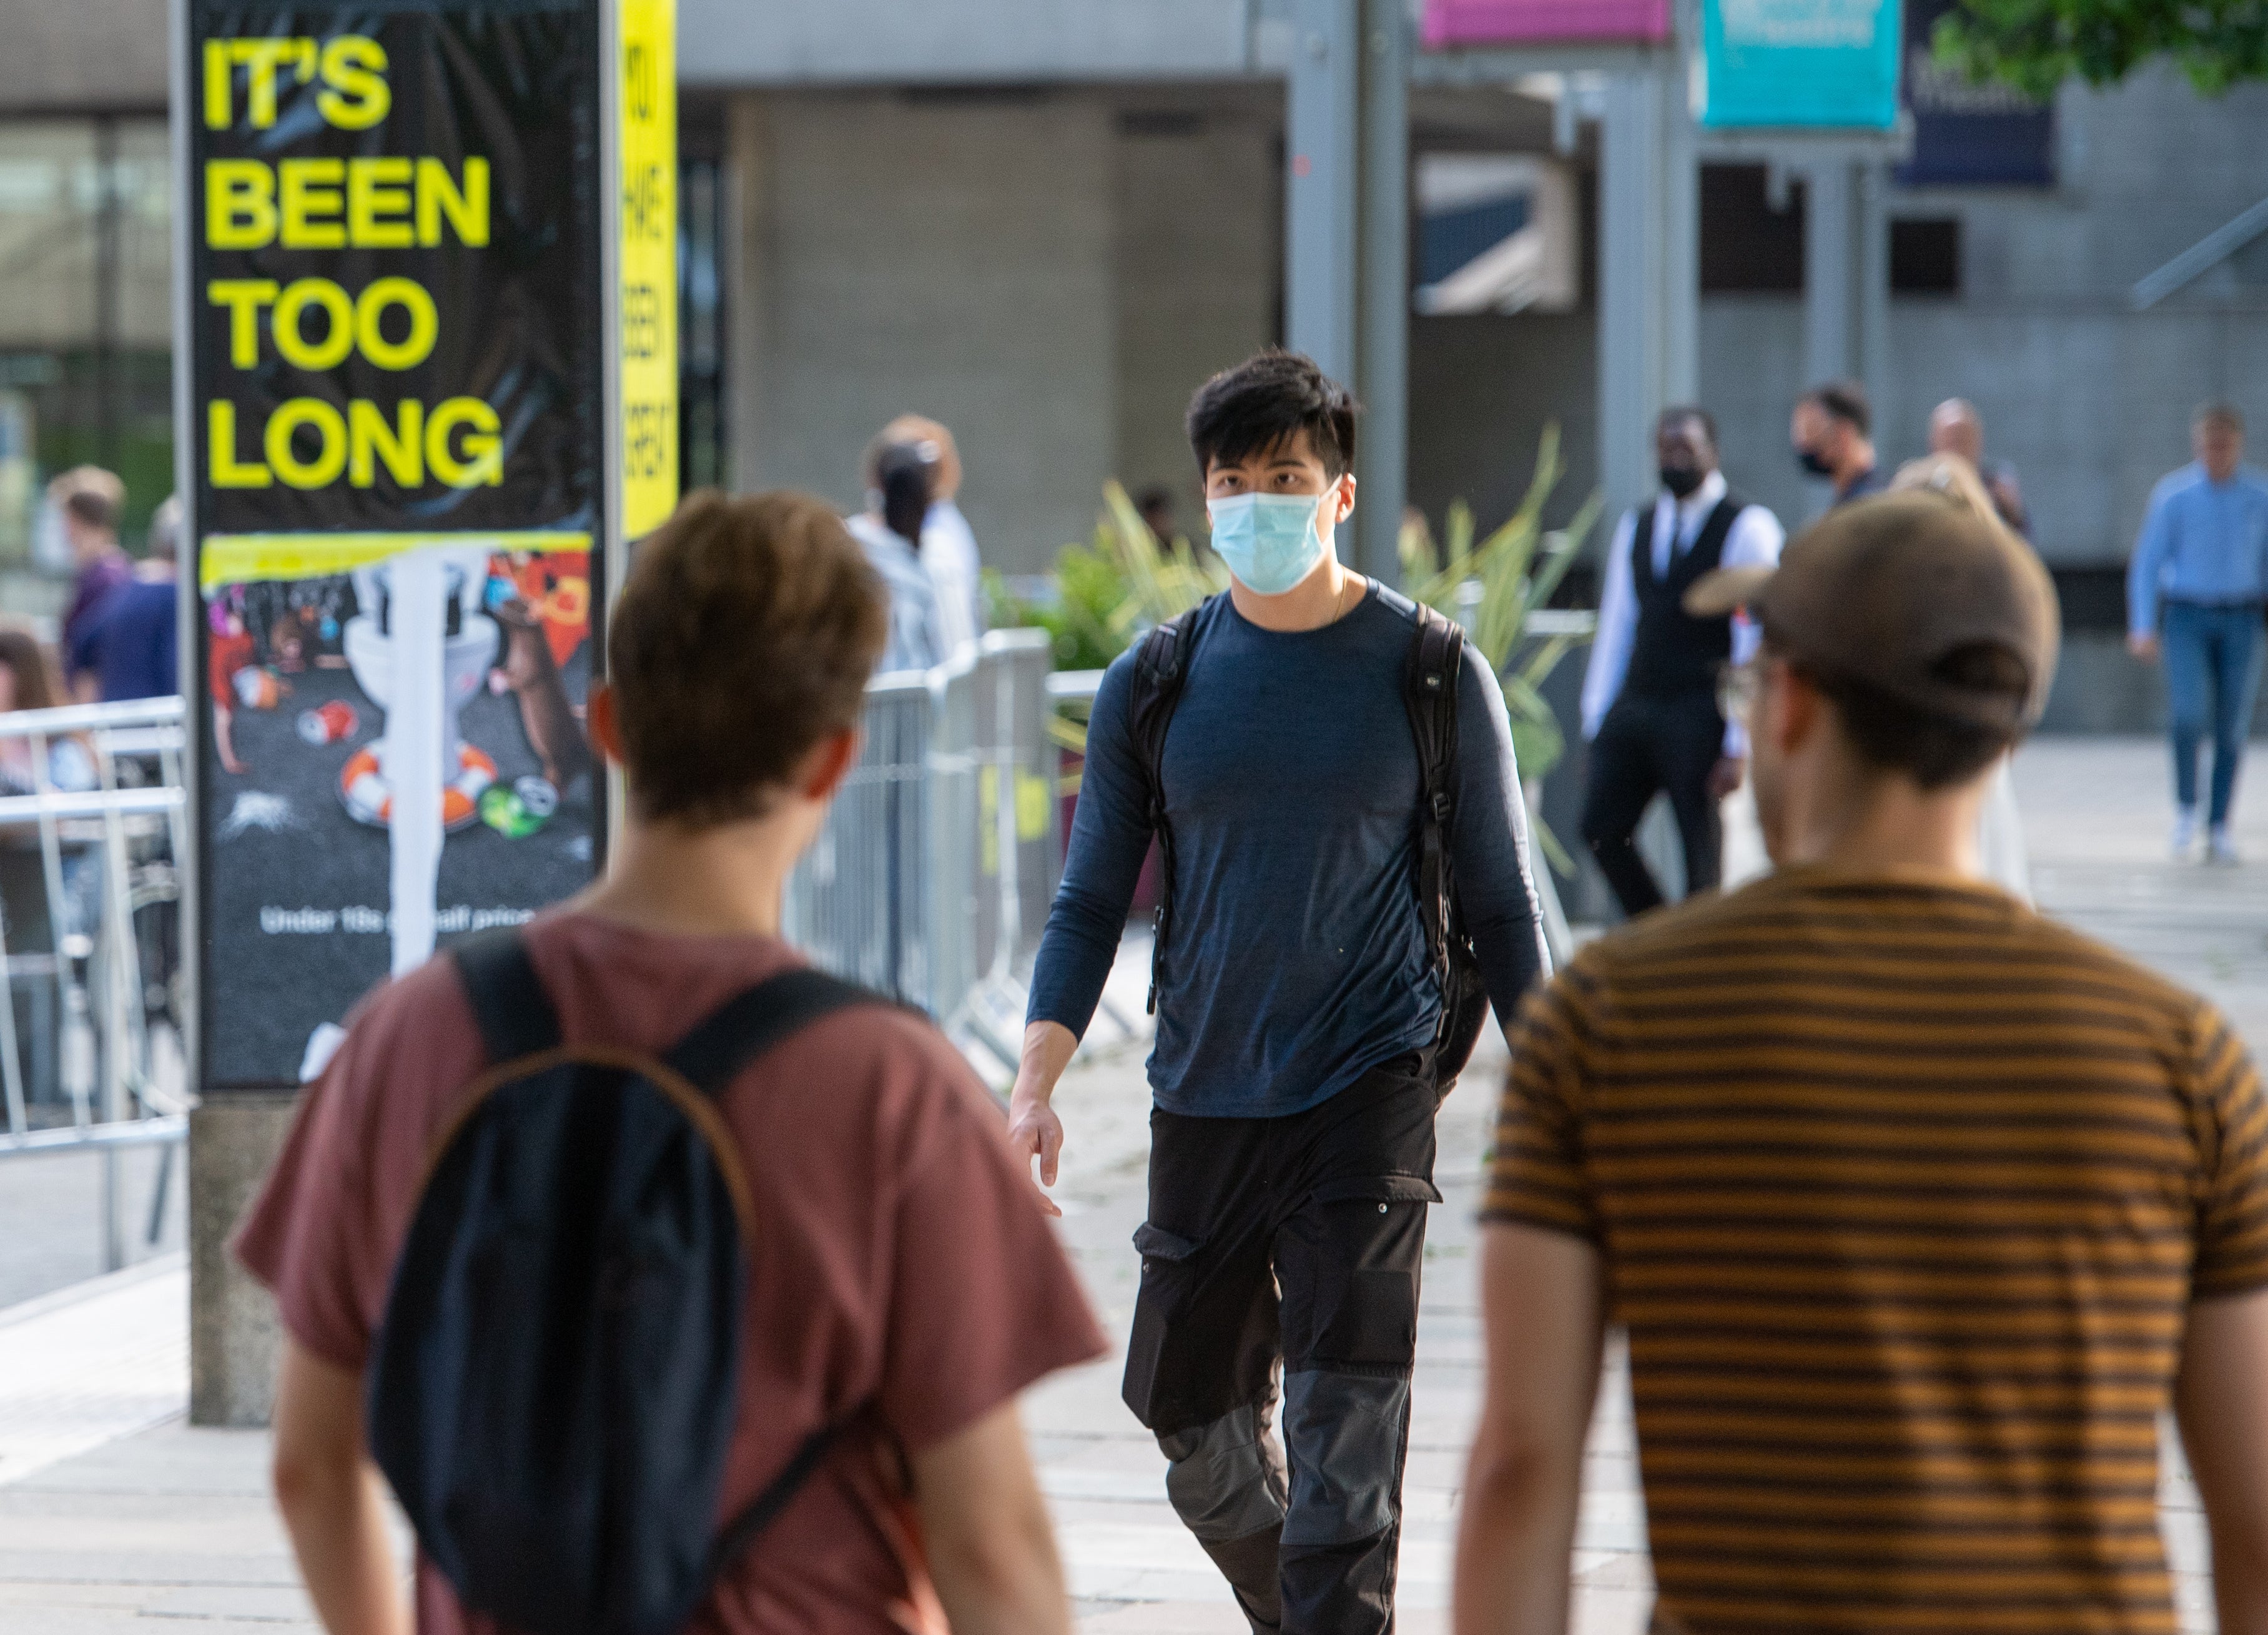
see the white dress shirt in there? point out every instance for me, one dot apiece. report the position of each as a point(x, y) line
point(1755, 541)
point(948, 550)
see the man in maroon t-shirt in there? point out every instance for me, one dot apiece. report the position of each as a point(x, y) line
point(903, 1259)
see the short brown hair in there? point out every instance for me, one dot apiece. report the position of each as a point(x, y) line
point(2226, 415)
point(746, 633)
point(93, 496)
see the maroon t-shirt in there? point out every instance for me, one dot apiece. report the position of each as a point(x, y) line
point(901, 1259)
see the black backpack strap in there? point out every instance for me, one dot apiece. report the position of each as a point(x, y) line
point(514, 1013)
point(761, 1511)
point(1437, 659)
point(1160, 668)
point(752, 1021)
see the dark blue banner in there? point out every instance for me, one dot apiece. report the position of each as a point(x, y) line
point(1967, 135)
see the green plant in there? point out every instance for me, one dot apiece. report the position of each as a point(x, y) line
point(2035, 45)
point(1517, 568)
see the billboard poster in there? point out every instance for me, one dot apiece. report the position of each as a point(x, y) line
point(1965, 134)
point(399, 396)
point(1452, 23)
point(1798, 64)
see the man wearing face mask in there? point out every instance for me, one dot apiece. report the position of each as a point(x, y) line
point(1300, 1050)
point(1650, 697)
point(1832, 433)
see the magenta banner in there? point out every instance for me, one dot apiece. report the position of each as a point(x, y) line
point(1524, 22)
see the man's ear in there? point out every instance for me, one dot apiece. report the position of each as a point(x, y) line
point(1793, 707)
point(1343, 489)
point(604, 723)
point(828, 763)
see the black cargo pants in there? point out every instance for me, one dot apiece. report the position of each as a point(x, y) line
point(1296, 1240)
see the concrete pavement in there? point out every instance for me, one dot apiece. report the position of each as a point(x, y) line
point(107, 1524)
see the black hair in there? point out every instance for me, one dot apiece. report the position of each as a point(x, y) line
point(1934, 750)
point(1677, 414)
point(1845, 401)
point(1265, 402)
point(907, 478)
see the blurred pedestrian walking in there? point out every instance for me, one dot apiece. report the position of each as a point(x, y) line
point(1330, 776)
point(1918, 1209)
point(904, 477)
point(2195, 592)
point(1831, 431)
point(131, 648)
point(1650, 697)
point(948, 546)
point(760, 1251)
point(1955, 428)
point(89, 500)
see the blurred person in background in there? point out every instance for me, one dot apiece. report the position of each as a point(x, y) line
point(1832, 433)
point(1650, 707)
point(2200, 571)
point(1955, 428)
point(89, 500)
point(131, 648)
point(947, 546)
point(902, 483)
point(1155, 506)
point(29, 681)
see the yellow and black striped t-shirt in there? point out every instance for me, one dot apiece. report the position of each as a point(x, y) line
point(1901, 1191)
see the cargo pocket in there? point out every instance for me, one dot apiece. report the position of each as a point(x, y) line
point(1372, 1235)
point(1164, 1296)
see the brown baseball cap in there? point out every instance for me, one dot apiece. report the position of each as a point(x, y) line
point(1884, 591)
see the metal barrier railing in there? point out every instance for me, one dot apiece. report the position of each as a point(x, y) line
point(106, 1071)
point(931, 878)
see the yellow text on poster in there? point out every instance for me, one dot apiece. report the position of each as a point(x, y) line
point(648, 263)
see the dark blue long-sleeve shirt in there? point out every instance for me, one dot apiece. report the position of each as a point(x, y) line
point(1296, 960)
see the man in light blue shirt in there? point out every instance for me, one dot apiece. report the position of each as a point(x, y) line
point(2200, 568)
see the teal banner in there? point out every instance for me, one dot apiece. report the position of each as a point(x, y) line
point(1798, 64)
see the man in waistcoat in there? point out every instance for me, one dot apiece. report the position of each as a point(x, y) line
point(1650, 706)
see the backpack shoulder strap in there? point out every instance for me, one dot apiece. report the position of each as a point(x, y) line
point(1437, 660)
point(753, 1020)
point(1160, 669)
point(515, 1015)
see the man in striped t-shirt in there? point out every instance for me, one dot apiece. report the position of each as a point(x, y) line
point(1919, 1208)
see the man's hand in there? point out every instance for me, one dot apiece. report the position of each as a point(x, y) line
point(1034, 1129)
point(2144, 647)
point(1726, 777)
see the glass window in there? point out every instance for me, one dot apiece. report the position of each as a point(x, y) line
point(86, 320)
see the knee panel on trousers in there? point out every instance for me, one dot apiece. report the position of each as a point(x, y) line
point(1225, 1479)
point(1345, 1433)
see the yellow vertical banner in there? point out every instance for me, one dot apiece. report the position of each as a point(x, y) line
point(648, 263)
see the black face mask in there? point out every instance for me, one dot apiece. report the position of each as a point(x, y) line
point(1809, 460)
point(1680, 480)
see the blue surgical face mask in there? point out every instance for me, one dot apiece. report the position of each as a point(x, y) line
point(1270, 542)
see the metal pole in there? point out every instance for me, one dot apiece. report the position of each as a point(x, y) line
point(1828, 274)
point(1633, 334)
point(1323, 97)
point(1382, 356)
point(1871, 260)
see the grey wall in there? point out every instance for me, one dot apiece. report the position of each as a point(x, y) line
point(1199, 259)
point(79, 54)
point(783, 42)
point(946, 259)
point(1481, 391)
